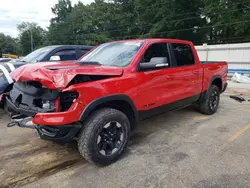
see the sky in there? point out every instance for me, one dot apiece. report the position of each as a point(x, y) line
point(13, 12)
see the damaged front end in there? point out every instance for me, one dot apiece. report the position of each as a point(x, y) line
point(44, 97)
point(27, 99)
point(30, 98)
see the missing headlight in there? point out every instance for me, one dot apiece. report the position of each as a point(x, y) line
point(67, 99)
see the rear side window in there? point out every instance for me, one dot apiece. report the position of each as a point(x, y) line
point(183, 54)
point(65, 55)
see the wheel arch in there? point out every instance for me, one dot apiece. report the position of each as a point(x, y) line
point(217, 80)
point(118, 101)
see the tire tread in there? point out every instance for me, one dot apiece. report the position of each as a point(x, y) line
point(204, 105)
point(88, 131)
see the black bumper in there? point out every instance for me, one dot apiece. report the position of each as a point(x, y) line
point(14, 109)
point(59, 134)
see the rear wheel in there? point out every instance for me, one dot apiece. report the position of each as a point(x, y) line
point(104, 136)
point(211, 102)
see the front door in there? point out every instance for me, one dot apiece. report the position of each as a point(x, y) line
point(153, 88)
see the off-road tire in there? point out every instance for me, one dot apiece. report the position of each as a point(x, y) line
point(92, 126)
point(204, 106)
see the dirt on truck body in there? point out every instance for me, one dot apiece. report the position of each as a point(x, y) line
point(99, 99)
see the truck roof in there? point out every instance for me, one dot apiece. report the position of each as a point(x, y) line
point(65, 46)
point(154, 40)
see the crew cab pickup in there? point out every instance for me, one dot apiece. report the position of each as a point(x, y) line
point(99, 99)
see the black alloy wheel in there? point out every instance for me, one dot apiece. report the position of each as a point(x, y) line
point(214, 100)
point(111, 138)
point(210, 102)
point(104, 136)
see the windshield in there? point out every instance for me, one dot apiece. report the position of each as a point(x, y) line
point(37, 55)
point(114, 54)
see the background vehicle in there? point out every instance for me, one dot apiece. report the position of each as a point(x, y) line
point(4, 60)
point(49, 53)
point(13, 56)
point(99, 100)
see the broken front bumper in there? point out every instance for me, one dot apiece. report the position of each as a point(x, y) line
point(60, 127)
point(46, 106)
point(72, 115)
point(21, 121)
point(61, 134)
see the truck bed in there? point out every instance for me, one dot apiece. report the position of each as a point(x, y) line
point(214, 69)
point(211, 62)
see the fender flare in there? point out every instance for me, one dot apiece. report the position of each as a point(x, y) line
point(204, 93)
point(215, 77)
point(121, 97)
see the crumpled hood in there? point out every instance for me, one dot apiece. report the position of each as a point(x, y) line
point(57, 75)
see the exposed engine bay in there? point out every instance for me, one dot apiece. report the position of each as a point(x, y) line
point(33, 97)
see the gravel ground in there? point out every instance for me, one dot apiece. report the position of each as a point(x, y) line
point(178, 149)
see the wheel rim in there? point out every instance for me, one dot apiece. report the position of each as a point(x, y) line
point(214, 100)
point(110, 138)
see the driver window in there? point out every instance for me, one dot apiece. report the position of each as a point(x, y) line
point(65, 55)
point(156, 50)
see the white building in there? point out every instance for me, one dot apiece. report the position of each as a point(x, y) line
point(237, 55)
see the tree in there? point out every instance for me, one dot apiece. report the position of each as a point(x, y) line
point(61, 11)
point(59, 31)
point(83, 24)
point(31, 36)
point(175, 19)
point(200, 21)
point(9, 44)
point(228, 20)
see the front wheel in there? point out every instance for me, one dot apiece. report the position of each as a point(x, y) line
point(104, 136)
point(211, 102)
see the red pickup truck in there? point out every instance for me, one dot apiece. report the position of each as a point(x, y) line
point(99, 99)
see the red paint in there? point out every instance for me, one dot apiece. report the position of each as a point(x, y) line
point(157, 87)
point(57, 104)
point(46, 74)
point(60, 118)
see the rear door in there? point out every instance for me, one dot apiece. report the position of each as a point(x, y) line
point(187, 73)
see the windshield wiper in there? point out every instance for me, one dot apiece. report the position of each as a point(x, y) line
point(88, 63)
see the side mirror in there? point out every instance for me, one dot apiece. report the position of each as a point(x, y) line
point(55, 58)
point(155, 63)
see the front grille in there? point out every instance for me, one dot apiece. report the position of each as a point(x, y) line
point(32, 96)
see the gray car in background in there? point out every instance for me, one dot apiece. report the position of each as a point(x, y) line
point(4, 60)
